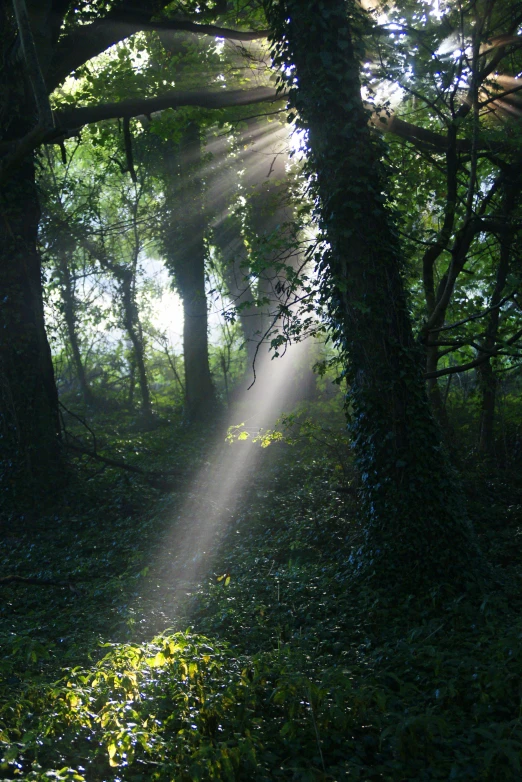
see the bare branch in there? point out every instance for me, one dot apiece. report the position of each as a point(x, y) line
point(147, 474)
point(474, 317)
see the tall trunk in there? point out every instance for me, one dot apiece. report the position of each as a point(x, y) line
point(416, 529)
point(132, 324)
point(488, 390)
point(29, 416)
point(486, 374)
point(254, 322)
point(69, 314)
point(30, 451)
point(436, 399)
point(132, 382)
point(184, 241)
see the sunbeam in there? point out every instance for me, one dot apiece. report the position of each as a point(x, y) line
point(212, 499)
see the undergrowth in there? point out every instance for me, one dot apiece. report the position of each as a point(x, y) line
point(277, 665)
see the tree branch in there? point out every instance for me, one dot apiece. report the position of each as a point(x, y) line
point(416, 134)
point(486, 355)
point(474, 317)
point(90, 40)
point(75, 118)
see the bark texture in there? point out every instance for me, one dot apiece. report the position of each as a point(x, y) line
point(29, 417)
point(416, 530)
point(29, 420)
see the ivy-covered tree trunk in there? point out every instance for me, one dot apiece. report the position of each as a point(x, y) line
point(416, 530)
point(184, 241)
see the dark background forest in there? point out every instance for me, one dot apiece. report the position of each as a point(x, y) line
point(260, 374)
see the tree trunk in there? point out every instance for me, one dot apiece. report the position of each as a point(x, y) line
point(488, 389)
point(486, 374)
point(132, 381)
point(69, 314)
point(270, 226)
point(436, 399)
point(30, 453)
point(416, 530)
point(29, 417)
point(254, 322)
point(132, 324)
point(184, 241)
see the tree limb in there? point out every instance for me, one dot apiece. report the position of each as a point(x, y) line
point(90, 40)
point(474, 317)
point(486, 355)
point(74, 118)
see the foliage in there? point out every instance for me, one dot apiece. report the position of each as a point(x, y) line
point(290, 670)
point(293, 666)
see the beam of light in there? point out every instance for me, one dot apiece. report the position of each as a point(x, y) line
point(209, 504)
point(212, 499)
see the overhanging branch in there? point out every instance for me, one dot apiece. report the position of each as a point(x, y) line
point(90, 40)
point(75, 118)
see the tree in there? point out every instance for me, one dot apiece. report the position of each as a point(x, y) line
point(39, 49)
point(416, 529)
point(185, 251)
point(457, 187)
point(29, 416)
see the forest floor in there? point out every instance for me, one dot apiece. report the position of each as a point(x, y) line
point(191, 642)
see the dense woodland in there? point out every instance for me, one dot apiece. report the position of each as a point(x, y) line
point(260, 374)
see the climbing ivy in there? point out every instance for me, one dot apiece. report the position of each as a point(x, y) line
point(415, 522)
